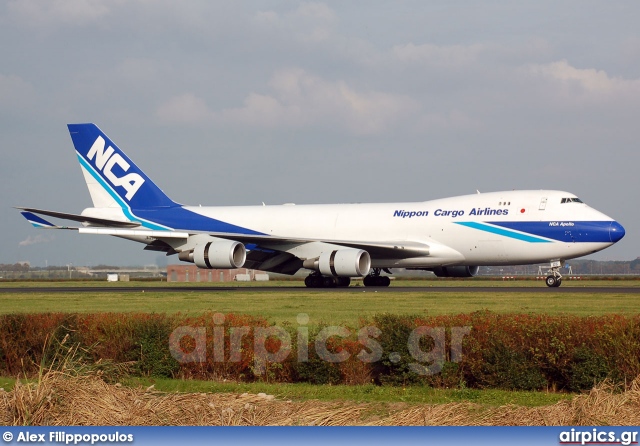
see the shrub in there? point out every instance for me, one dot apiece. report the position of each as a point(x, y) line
point(395, 365)
point(509, 369)
point(588, 369)
point(511, 351)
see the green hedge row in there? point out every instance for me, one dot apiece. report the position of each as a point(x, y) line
point(478, 350)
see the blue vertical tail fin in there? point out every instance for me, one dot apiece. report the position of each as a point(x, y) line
point(112, 178)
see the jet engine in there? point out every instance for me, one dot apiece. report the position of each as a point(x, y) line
point(455, 271)
point(223, 254)
point(344, 263)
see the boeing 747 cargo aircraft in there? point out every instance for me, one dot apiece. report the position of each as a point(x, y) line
point(451, 236)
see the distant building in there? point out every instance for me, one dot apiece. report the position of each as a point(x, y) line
point(117, 277)
point(191, 273)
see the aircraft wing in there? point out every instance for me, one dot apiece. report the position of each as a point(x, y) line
point(268, 253)
point(386, 249)
point(382, 249)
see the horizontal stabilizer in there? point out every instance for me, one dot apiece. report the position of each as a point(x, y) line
point(73, 217)
point(38, 222)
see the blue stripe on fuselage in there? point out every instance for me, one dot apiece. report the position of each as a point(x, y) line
point(563, 230)
point(185, 220)
point(504, 232)
point(163, 218)
point(548, 231)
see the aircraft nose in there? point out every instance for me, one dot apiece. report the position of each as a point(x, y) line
point(616, 231)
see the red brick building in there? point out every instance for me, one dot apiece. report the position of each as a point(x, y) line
point(191, 273)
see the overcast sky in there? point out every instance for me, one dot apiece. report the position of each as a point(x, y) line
point(311, 102)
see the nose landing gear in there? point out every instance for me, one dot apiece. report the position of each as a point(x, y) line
point(554, 279)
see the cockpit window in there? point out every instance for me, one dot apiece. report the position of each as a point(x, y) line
point(571, 200)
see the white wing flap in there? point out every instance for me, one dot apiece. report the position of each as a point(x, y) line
point(380, 249)
point(134, 233)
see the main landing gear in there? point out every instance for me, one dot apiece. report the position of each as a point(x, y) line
point(375, 279)
point(317, 280)
point(554, 279)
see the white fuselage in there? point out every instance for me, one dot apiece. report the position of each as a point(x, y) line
point(460, 230)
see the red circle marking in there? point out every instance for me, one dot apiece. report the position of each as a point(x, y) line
point(522, 211)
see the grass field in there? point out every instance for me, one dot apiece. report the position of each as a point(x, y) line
point(361, 393)
point(325, 306)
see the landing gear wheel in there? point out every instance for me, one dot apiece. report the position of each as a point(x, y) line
point(554, 278)
point(328, 282)
point(319, 281)
point(314, 281)
point(553, 281)
point(375, 279)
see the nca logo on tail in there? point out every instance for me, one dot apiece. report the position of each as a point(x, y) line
point(106, 159)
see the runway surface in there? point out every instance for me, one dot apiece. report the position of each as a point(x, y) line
point(352, 289)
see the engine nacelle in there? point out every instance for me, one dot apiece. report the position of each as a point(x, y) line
point(456, 271)
point(345, 263)
point(223, 254)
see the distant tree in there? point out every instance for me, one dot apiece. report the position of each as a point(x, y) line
point(18, 267)
point(109, 267)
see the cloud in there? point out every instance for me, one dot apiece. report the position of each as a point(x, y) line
point(38, 13)
point(301, 99)
point(314, 11)
point(310, 21)
point(137, 70)
point(447, 121)
point(447, 55)
point(36, 240)
point(305, 12)
point(185, 109)
point(588, 79)
point(15, 93)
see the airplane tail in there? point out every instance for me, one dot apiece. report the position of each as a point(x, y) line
point(114, 181)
